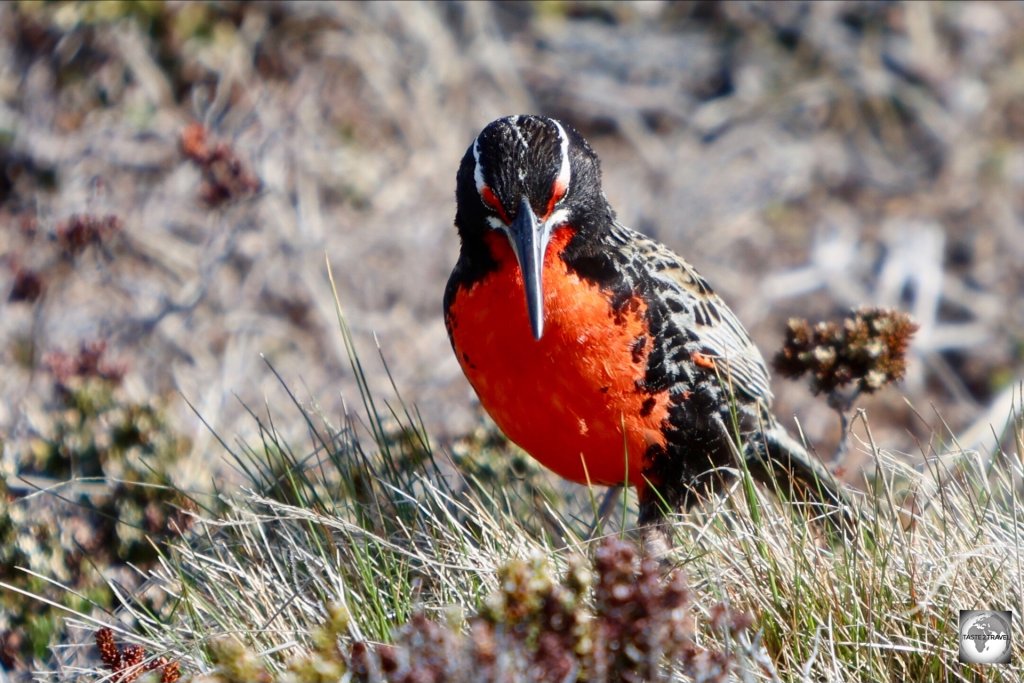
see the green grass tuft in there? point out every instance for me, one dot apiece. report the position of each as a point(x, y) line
point(369, 535)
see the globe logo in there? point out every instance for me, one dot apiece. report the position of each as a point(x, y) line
point(984, 637)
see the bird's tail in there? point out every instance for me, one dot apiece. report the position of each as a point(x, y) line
point(780, 462)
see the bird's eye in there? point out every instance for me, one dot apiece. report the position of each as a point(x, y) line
point(491, 200)
point(558, 190)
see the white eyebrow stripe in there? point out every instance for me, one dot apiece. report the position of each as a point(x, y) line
point(565, 170)
point(478, 170)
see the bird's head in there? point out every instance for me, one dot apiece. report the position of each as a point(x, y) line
point(524, 177)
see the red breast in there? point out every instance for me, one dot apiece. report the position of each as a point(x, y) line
point(570, 399)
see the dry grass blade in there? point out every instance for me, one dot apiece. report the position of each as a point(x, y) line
point(405, 540)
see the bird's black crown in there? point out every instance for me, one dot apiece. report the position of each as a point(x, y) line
point(527, 156)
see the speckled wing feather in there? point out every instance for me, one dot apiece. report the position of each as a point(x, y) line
point(706, 336)
point(695, 308)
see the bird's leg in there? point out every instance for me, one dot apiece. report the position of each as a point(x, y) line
point(656, 541)
point(653, 524)
point(604, 510)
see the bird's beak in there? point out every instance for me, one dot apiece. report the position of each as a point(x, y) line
point(529, 238)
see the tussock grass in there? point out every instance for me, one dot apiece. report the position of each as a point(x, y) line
point(371, 522)
point(876, 609)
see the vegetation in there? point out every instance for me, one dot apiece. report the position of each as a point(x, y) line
point(171, 175)
point(371, 538)
point(868, 350)
point(92, 497)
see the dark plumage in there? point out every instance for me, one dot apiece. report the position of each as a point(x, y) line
point(690, 387)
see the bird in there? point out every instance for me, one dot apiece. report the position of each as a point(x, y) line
point(599, 351)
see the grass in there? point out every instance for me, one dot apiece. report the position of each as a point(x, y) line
point(862, 137)
point(369, 527)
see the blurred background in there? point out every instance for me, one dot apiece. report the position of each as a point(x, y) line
point(172, 176)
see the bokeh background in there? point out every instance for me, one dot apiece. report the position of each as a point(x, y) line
point(806, 157)
point(173, 177)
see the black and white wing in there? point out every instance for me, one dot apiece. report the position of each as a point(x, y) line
point(702, 327)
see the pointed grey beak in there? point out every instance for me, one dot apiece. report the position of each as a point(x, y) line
point(529, 238)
